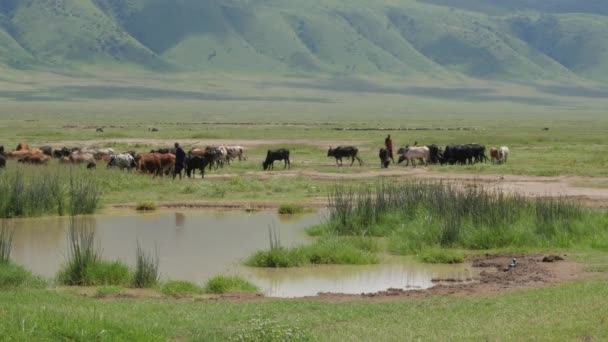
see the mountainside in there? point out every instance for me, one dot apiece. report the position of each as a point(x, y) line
point(515, 40)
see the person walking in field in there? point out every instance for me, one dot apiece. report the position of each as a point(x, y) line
point(388, 142)
point(180, 158)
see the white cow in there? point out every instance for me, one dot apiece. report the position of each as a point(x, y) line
point(409, 154)
point(235, 152)
point(122, 161)
point(503, 154)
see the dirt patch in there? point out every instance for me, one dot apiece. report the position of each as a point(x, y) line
point(495, 276)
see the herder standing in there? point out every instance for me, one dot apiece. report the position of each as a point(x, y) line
point(180, 157)
point(388, 142)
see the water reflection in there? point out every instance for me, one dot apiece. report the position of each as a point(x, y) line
point(353, 279)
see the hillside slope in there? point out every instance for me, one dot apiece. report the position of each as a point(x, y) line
point(518, 40)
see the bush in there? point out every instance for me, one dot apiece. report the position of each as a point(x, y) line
point(146, 268)
point(28, 190)
point(145, 206)
point(441, 256)
point(290, 209)
point(417, 216)
point(225, 284)
point(176, 288)
point(6, 243)
point(14, 276)
point(325, 250)
point(82, 254)
point(107, 273)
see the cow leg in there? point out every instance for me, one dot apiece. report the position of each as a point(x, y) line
point(360, 161)
point(352, 160)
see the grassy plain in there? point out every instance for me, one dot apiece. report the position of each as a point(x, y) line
point(572, 311)
point(307, 119)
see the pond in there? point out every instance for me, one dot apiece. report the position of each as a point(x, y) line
point(197, 245)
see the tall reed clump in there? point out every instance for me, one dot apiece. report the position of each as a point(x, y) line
point(83, 195)
point(6, 242)
point(420, 215)
point(146, 268)
point(82, 253)
point(27, 191)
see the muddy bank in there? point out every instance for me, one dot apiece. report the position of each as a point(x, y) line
point(495, 276)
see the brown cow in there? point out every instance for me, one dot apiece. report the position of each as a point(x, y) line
point(79, 158)
point(22, 153)
point(149, 163)
point(494, 155)
point(37, 159)
point(167, 163)
point(23, 146)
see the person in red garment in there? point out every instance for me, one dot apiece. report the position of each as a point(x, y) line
point(388, 142)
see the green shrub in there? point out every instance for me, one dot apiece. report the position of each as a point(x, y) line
point(107, 273)
point(146, 206)
point(441, 256)
point(15, 276)
point(325, 250)
point(146, 268)
point(290, 209)
point(81, 253)
point(6, 243)
point(27, 190)
point(225, 284)
point(178, 288)
point(417, 216)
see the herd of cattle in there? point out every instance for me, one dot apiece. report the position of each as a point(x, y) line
point(163, 161)
point(451, 154)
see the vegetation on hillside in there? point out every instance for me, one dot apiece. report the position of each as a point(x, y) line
point(512, 40)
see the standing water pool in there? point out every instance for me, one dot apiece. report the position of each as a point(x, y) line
point(197, 245)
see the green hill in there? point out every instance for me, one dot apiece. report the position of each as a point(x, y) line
point(516, 40)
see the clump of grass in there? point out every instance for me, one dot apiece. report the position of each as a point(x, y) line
point(417, 216)
point(226, 284)
point(6, 243)
point(146, 268)
point(84, 196)
point(146, 206)
point(107, 273)
point(290, 209)
point(441, 256)
point(14, 276)
point(105, 291)
point(27, 191)
point(82, 254)
point(326, 250)
point(176, 288)
point(597, 268)
point(269, 330)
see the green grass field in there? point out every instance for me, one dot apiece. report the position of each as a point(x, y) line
point(572, 311)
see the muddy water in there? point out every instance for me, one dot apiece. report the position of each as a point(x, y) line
point(197, 245)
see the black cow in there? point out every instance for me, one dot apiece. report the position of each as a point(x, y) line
point(344, 152)
point(385, 158)
point(164, 151)
point(64, 152)
point(194, 162)
point(2, 162)
point(274, 155)
point(215, 157)
point(46, 149)
point(436, 154)
point(1, 149)
point(464, 154)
